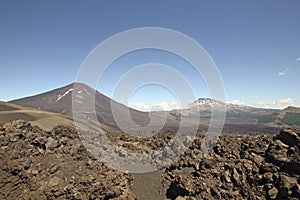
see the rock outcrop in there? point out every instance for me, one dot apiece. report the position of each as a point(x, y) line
point(37, 164)
point(239, 167)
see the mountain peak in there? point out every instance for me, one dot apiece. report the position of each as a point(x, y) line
point(61, 101)
point(78, 84)
point(206, 102)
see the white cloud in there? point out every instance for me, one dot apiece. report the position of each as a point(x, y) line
point(280, 104)
point(162, 106)
point(282, 73)
point(255, 96)
point(238, 102)
point(297, 59)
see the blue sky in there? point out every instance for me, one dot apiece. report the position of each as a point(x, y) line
point(255, 45)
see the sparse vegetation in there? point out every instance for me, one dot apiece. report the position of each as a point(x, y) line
point(292, 119)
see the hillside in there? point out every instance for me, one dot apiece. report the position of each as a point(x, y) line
point(44, 119)
point(60, 101)
point(41, 118)
point(288, 117)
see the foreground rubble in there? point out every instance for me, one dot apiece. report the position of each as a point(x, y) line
point(54, 165)
point(240, 167)
point(36, 164)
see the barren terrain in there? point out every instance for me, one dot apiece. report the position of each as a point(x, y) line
point(39, 164)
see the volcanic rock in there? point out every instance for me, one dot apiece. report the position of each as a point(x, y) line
point(29, 172)
point(38, 164)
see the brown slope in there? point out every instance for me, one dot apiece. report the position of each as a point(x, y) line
point(46, 120)
point(60, 101)
point(288, 117)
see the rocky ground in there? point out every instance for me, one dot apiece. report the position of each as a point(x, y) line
point(38, 164)
point(240, 167)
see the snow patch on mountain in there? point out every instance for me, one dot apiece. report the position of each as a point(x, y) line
point(207, 102)
point(66, 93)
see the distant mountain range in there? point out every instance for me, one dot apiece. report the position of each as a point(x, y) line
point(207, 104)
point(60, 101)
point(237, 114)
